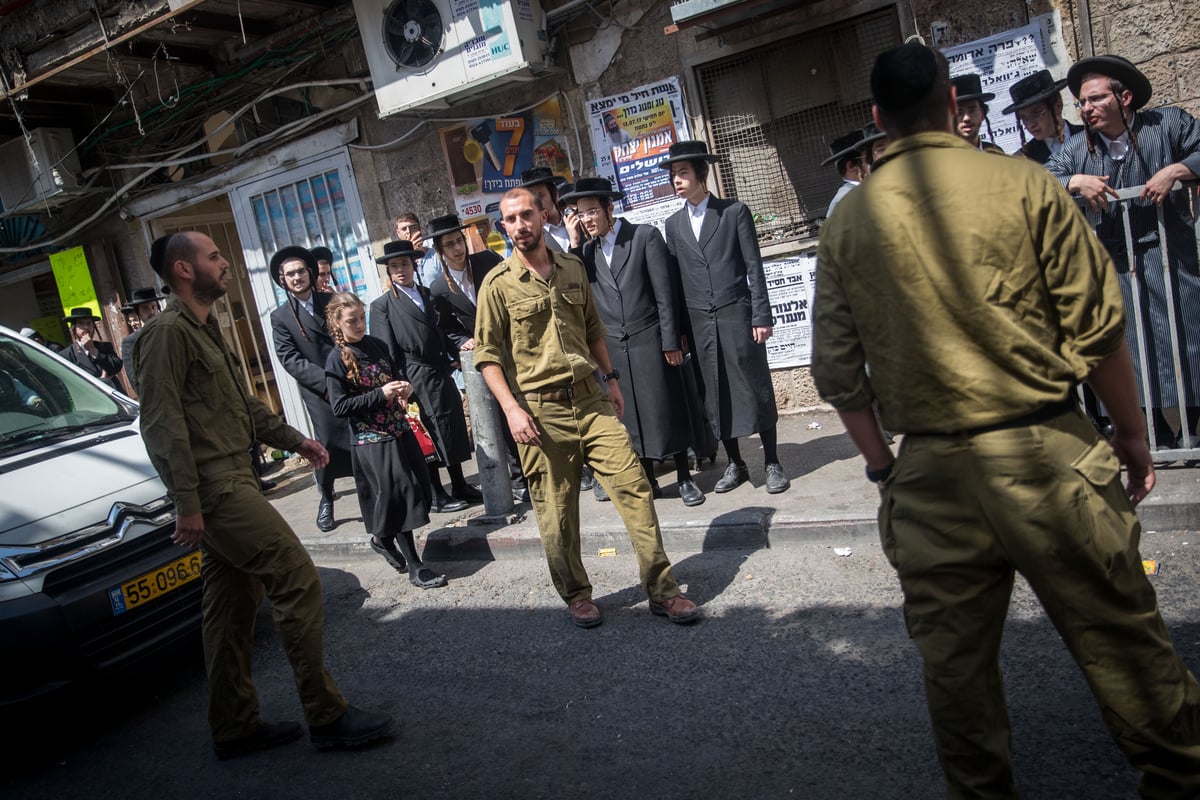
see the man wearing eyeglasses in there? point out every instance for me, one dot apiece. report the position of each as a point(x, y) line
point(1037, 103)
point(1126, 145)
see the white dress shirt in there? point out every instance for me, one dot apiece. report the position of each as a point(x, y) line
point(464, 284)
point(1118, 147)
point(609, 241)
point(696, 212)
point(413, 295)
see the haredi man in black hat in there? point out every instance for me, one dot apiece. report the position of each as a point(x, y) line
point(143, 306)
point(1008, 476)
point(849, 164)
point(87, 351)
point(324, 257)
point(1037, 102)
point(725, 294)
point(302, 344)
point(1127, 145)
point(973, 110)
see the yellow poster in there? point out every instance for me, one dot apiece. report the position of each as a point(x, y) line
point(75, 288)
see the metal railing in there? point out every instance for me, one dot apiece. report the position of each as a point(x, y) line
point(1162, 451)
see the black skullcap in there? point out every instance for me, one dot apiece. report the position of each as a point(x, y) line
point(903, 76)
point(158, 254)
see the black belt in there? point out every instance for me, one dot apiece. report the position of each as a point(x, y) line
point(1036, 417)
point(566, 393)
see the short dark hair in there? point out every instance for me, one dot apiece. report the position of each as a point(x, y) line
point(845, 161)
point(910, 85)
point(168, 249)
point(407, 216)
point(537, 198)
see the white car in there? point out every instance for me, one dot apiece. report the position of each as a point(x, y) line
point(89, 577)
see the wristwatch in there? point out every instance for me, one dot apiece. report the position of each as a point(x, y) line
point(612, 376)
point(879, 475)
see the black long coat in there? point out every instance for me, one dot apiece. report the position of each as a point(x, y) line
point(725, 294)
point(456, 313)
point(106, 360)
point(302, 345)
point(423, 353)
point(637, 301)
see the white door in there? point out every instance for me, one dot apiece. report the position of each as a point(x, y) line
point(315, 203)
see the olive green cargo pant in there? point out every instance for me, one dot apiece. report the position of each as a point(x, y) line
point(958, 516)
point(249, 549)
point(575, 432)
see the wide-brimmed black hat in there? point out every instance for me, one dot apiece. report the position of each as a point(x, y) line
point(322, 253)
point(78, 314)
point(440, 226)
point(871, 133)
point(688, 150)
point(287, 254)
point(400, 247)
point(1114, 67)
point(969, 87)
point(591, 187)
point(843, 145)
point(1033, 89)
point(145, 294)
point(532, 177)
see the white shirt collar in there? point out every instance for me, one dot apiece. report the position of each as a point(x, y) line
point(609, 240)
point(413, 295)
point(1118, 147)
point(698, 209)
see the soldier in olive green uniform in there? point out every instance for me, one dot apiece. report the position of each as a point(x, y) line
point(537, 334)
point(998, 303)
point(198, 421)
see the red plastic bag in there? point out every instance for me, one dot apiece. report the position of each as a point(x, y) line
point(418, 428)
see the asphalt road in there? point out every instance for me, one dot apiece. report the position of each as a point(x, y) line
point(800, 682)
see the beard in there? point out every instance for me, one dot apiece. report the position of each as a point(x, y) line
point(207, 289)
point(533, 242)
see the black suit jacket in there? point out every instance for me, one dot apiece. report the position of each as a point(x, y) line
point(106, 360)
point(456, 313)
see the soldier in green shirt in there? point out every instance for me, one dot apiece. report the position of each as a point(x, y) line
point(198, 420)
point(979, 297)
point(538, 341)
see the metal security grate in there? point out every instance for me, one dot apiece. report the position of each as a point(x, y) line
point(773, 112)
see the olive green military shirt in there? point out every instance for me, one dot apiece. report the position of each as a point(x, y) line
point(196, 416)
point(970, 284)
point(538, 331)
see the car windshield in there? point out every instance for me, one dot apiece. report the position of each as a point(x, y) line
point(43, 400)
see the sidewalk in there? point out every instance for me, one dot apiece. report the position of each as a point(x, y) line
point(830, 502)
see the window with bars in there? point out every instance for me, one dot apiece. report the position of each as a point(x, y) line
point(772, 113)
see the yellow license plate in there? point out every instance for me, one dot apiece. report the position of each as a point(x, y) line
point(143, 589)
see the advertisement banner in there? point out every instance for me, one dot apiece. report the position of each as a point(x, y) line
point(1004, 59)
point(790, 283)
point(485, 158)
point(74, 280)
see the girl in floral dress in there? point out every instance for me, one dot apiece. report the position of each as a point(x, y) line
point(389, 470)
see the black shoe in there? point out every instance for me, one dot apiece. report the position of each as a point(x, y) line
point(444, 504)
point(598, 491)
point(265, 485)
point(690, 493)
point(269, 734)
point(468, 493)
point(352, 729)
point(587, 481)
point(735, 475)
point(391, 555)
point(776, 481)
point(325, 521)
point(425, 578)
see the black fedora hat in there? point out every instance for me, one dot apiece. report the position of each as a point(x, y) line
point(688, 150)
point(78, 314)
point(397, 248)
point(532, 177)
point(322, 253)
point(145, 294)
point(440, 226)
point(1033, 89)
point(1114, 67)
point(970, 87)
point(287, 254)
point(591, 187)
point(844, 145)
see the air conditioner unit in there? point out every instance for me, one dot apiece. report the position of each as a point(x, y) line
point(44, 171)
point(425, 53)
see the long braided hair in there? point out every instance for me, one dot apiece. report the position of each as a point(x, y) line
point(440, 247)
point(333, 314)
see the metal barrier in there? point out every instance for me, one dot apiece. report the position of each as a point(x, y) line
point(1162, 451)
